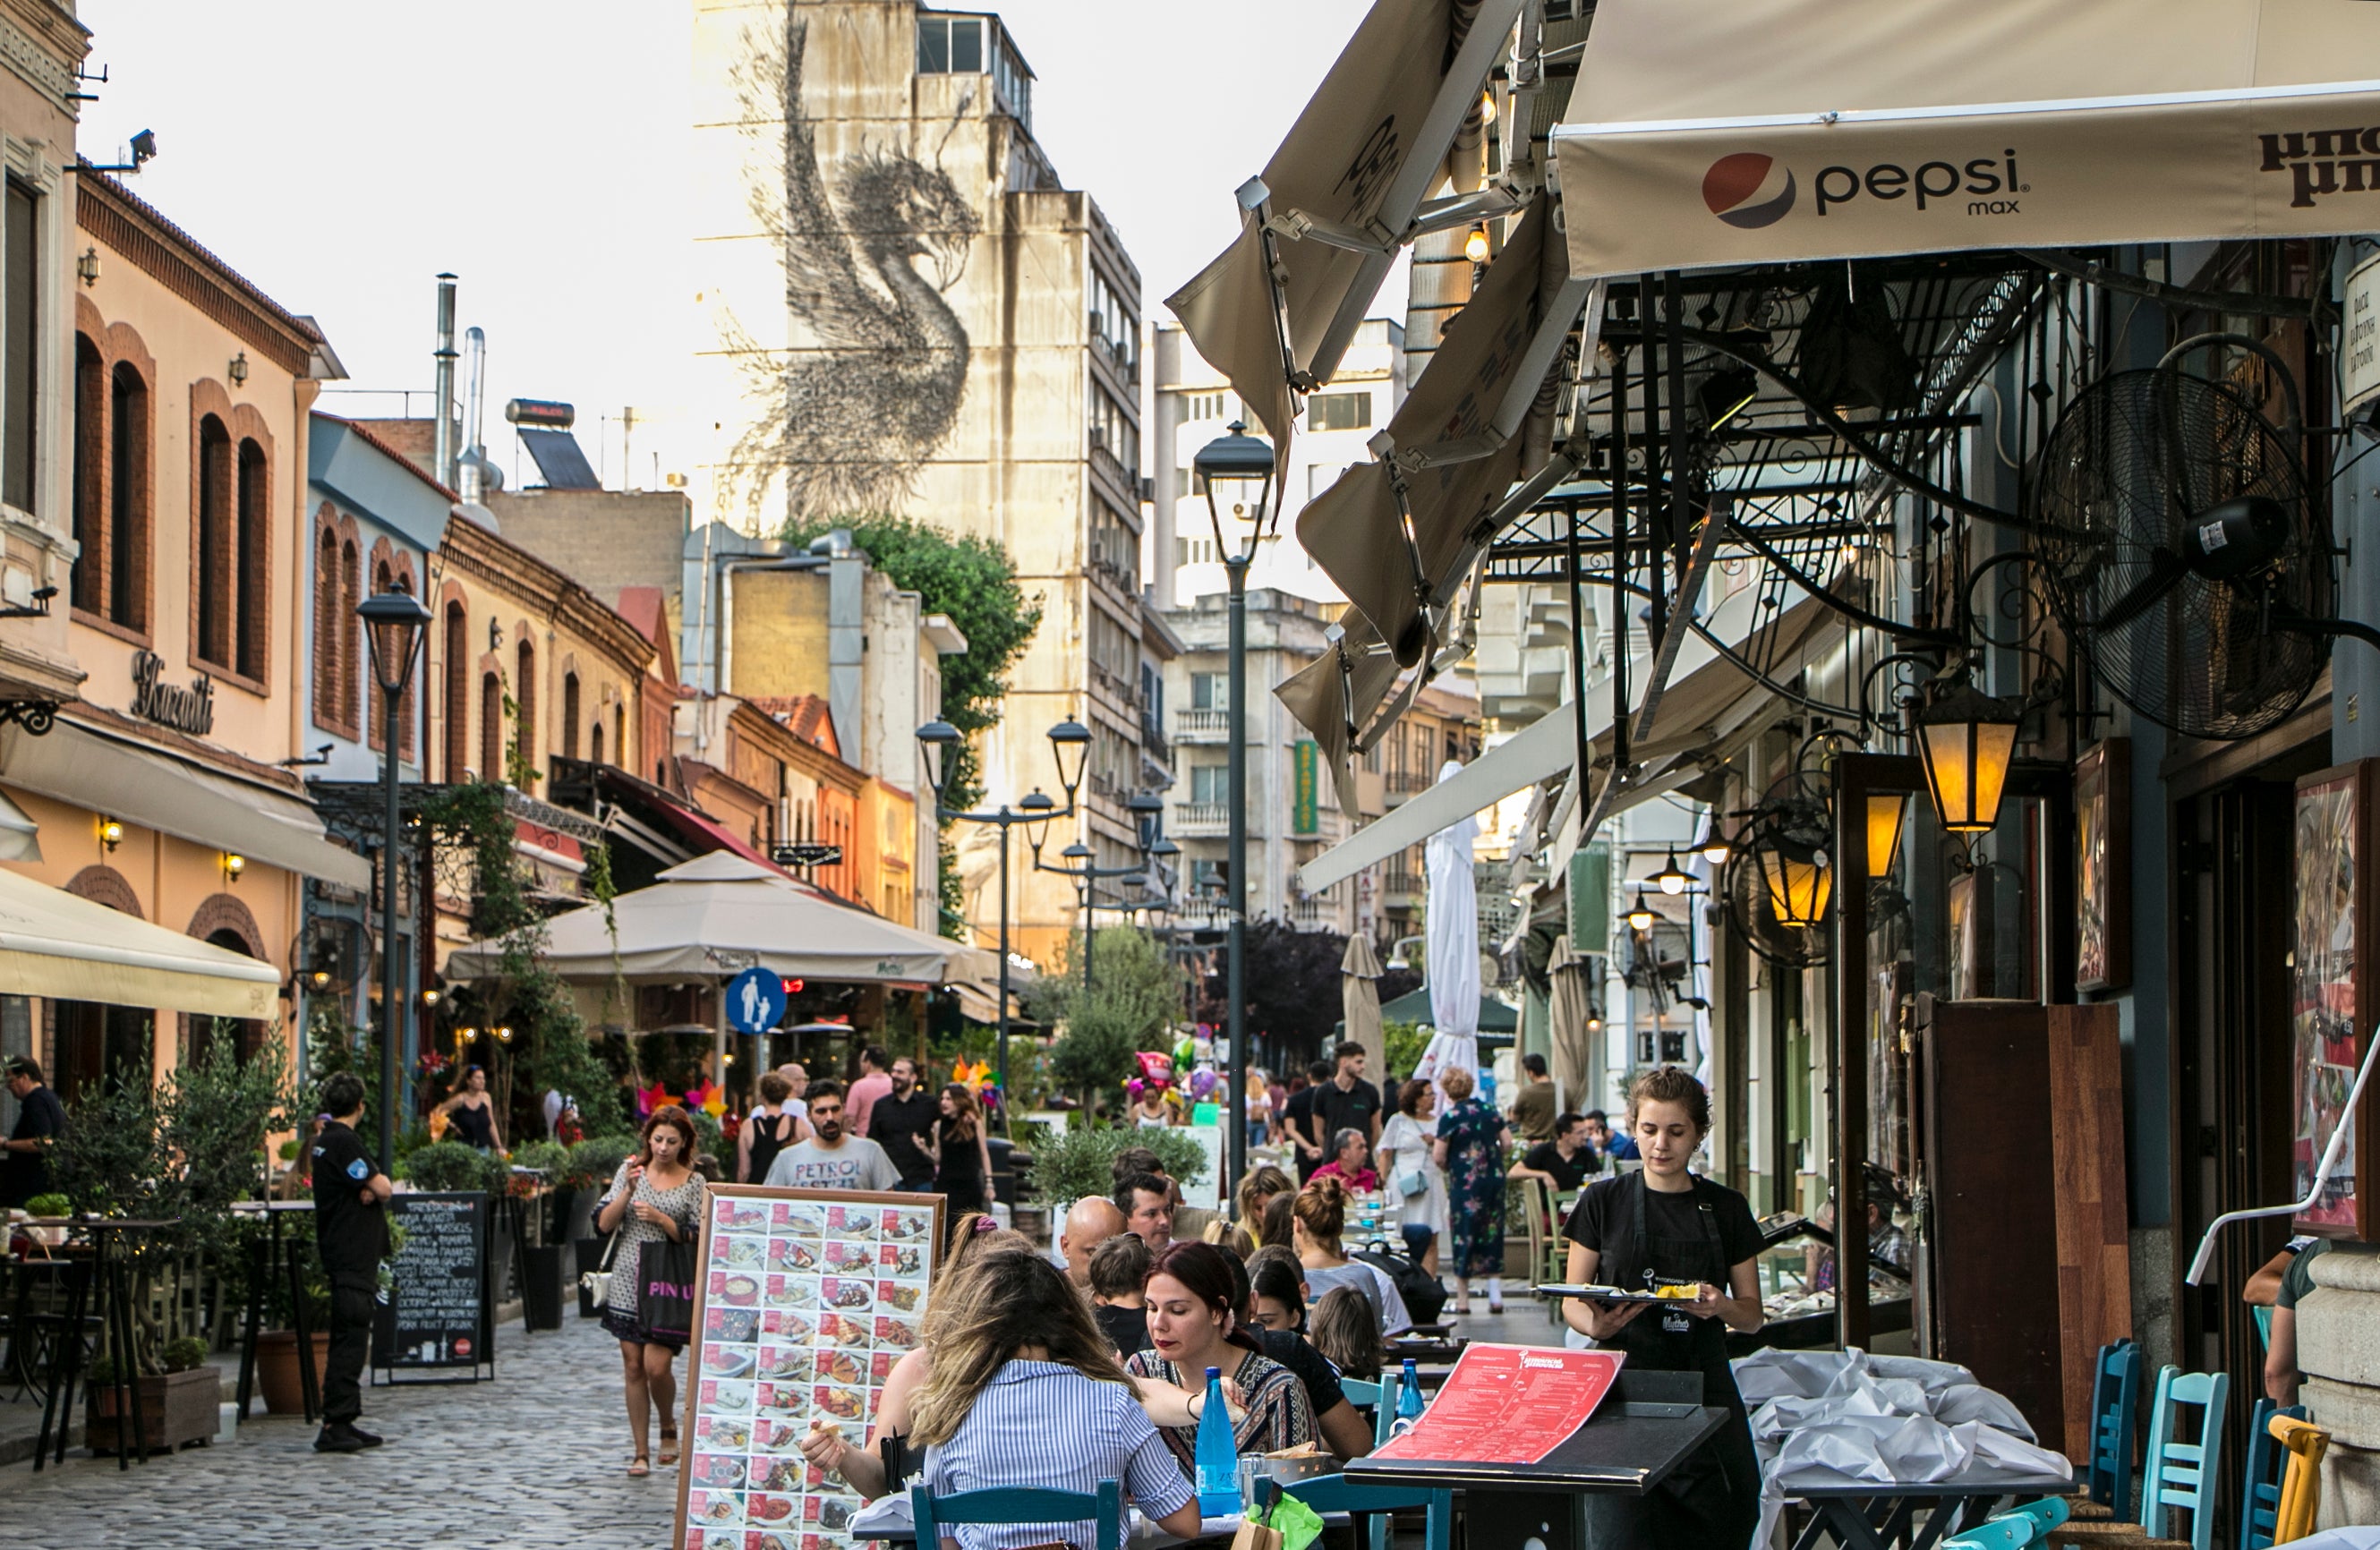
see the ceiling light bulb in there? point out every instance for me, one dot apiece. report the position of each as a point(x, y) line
point(1474, 247)
point(1487, 107)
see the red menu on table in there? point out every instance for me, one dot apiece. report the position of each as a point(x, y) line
point(1509, 1405)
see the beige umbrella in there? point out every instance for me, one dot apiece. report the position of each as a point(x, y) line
point(1359, 992)
point(1573, 1044)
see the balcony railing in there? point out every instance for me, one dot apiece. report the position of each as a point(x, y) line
point(1308, 912)
point(1201, 819)
point(1408, 782)
point(1401, 879)
point(1202, 726)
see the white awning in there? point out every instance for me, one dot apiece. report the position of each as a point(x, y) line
point(1768, 130)
point(1711, 710)
point(123, 779)
point(20, 837)
point(1357, 163)
point(58, 944)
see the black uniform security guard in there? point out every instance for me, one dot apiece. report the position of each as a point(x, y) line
point(351, 1229)
point(1644, 1236)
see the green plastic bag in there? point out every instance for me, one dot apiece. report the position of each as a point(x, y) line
point(1298, 1525)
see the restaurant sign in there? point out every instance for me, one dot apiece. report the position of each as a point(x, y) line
point(190, 709)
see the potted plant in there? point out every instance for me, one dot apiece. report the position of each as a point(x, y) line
point(176, 1405)
point(50, 1205)
point(277, 1348)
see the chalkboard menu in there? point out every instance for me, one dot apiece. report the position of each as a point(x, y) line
point(437, 1313)
point(804, 1301)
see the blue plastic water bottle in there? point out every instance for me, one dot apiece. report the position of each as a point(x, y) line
point(1217, 1454)
point(1408, 1401)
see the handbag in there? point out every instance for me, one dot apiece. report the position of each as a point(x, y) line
point(666, 1287)
point(597, 1283)
point(1410, 1182)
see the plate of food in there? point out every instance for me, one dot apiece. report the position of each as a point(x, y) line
point(774, 1539)
point(801, 1217)
point(790, 1327)
point(792, 1253)
point(770, 1510)
point(856, 1259)
point(715, 1506)
point(906, 1260)
point(789, 1363)
point(784, 1398)
point(734, 1289)
point(840, 1367)
point(851, 1223)
point(900, 1298)
point(733, 1326)
point(793, 1291)
point(899, 1334)
point(723, 1434)
point(844, 1404)
point(847, 1296)
point(732, 1215)
point(722, 1539)
point(742, 1254)
point(728, 1362)
point(780, 1474)
point(770, 1436)
point(844, 1330)
point(730, 1396)
point(723, 1471)
point(907, 1223)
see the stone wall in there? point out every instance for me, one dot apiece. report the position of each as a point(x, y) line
point(2339, 1351)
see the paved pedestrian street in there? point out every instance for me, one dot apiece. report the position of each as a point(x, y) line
point(532, 1459)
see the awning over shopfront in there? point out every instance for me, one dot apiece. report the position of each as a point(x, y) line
point(1712, 707)
point(1768, 130)
point(721, 910)
point(58, 944)
point(20, 837)
point(123, 779)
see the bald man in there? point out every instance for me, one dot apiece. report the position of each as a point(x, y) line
point(796, 1078)
point(1092, 1223)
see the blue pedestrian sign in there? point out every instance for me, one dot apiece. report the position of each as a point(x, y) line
point(756, 1001)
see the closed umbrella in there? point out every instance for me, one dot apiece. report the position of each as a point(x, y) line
point(1573, 1044)
point(1359, 1000)
point(1451, 943)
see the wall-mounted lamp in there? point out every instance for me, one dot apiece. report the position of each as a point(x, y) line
point(320, 979)
point(87, 267)
point(1672, 877)
point(431, 997)
point(1474, 247)
point(1640, 916)
point(234, 863)
point(238, 369)
point(111, 833)
point(1716, 847)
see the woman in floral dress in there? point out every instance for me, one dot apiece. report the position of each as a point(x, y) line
point(1470, 1147)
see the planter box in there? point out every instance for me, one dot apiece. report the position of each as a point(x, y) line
point(176, 1408)
point(277, 1370)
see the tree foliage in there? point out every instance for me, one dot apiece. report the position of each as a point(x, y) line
point(1082, 1162)
point(1135, 996)
point(972, 579)
point(1291, 983)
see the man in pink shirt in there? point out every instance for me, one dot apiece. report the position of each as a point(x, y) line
point(875, 1081)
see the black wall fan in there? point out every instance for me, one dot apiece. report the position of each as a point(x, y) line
point(331, 955)
point(2175, 526)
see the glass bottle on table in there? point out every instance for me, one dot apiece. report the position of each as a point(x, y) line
point(1408, 1401)
point(1217, 1456)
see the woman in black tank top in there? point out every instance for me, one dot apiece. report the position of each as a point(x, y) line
point(768, 1134)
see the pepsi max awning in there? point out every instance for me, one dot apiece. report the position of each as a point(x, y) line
point(1766, 130)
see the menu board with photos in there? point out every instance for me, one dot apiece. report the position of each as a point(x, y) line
point(804, 1301)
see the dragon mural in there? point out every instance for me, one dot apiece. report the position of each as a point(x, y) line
point(843, 422)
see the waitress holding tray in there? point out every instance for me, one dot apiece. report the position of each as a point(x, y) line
point(1663, 1226)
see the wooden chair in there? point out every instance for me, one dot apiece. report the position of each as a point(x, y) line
point(2174, 1473)
point(2014, 1531)
point(1336, 1493)
point(1021, 1504)
point(1363, 1396)
point(2260, 1493)
point(2301, 1497)
point(2036, 1518)
point(2115, 1400)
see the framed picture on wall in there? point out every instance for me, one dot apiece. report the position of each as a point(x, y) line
point(1963, 928)
point(2102, 867)
point(2330, 945)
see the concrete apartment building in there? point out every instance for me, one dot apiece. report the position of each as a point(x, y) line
point(905, 310)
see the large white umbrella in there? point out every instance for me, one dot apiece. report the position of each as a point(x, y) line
point(1571, 1004)
point(1452, 948)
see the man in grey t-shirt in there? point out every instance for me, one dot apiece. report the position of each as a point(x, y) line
point(831, 1159)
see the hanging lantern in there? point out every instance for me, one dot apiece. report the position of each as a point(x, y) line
point(1640, 917)
point(1884, 820)
point(1672, 877)
point(1967, 740)
point(1799, 880)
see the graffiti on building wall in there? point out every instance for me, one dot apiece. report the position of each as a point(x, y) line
point(840, 423)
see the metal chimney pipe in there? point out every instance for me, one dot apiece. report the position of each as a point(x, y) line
point(471, 484)
point(442, 433)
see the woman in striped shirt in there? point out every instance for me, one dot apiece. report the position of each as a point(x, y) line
point(1193, 1297)
point(1026, 1392)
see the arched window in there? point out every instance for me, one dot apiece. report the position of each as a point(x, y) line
point(458, 695)
point(128, 498)
point(492, 727)
point(595, 743)
point(570, 715)
point(215, 559)
point(254, 616)
point(334, 622)
point(89, 591)
point(525, 701)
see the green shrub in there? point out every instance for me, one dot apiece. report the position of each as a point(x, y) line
point(449, 1165)
point(51, 1204)
point(551, 1156)
point(1082, 1161)
point(594, 1160)
point(185, 1354)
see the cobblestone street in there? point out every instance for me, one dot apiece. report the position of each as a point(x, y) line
point(531, 1459)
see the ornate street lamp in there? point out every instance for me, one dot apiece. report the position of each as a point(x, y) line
point(1236, 471)
point(1799, 877)
point(394, 623)
point(1967, 741)
point(1886, 812)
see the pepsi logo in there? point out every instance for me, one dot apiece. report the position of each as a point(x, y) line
point(1749, 190)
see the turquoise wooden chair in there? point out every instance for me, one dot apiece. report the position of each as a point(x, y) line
point(2115, 1399)
point(2260, 1495)
point(1384, 1404)
point(2014, 1531)
point(2037, 1518)
point(1363, 1396)
point(1336, 1493)
point(1020, 1504)
point(2185, 1475)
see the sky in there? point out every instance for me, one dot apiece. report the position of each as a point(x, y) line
point(340, 156)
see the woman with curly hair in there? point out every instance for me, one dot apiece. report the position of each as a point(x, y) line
point(655, 1197)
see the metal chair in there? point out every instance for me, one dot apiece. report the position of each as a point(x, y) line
point(1020, 1504)
point(2300, 1497)
point(1336, 1493)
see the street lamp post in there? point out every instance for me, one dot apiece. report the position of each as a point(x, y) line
point(1070, 743)
point(394, 623)
point(1236, 471)
point(1146, 808)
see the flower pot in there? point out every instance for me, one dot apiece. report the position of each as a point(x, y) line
point(176, 1408)
point(276, 1369)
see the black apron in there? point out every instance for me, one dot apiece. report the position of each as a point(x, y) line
point(1712, 1498)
